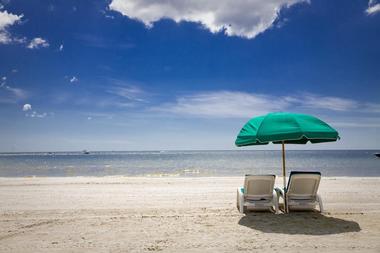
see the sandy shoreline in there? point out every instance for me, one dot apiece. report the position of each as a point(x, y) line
point(141, 214)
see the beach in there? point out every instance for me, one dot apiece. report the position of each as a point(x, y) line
point(131, 126)
point(179, 214)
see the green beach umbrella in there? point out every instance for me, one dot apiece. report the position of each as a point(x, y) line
point(283, 128)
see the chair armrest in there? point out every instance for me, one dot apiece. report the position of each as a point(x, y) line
point(279, 192)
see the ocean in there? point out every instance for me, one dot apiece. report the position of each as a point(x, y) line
point(188, 163)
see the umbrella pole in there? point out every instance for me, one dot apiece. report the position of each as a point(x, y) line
point(284, 177)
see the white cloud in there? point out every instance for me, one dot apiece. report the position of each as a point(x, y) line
point(14, 93)
point(6, 20)
point(237, 17)
point(61, 47)
point(324, 102)
point(74, 79)
point(17, 92)
point(232, 104)
point(109, 16)
point(373, 7)
point(224, 104)
point(372, 107)
point(132, 93)
point(37, 43)
point(34, 114)
point(355, 124)
point(27, 107)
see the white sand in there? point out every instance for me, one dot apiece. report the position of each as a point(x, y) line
point(121, 214)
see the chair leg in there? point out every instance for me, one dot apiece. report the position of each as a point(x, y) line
point(286, 203)
point(240, 201)
point(280, 194)
point(275, 202)
point(319, 199)
point(237, 200)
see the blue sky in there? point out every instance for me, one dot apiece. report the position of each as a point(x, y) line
point(155, 75)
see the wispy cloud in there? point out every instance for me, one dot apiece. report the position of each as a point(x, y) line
point(60, 47)
point(372, 107)
point(355, 124)
point(373, 7)
point(73, 79)
point(103, 42)
point(355, 121)
point(323, 102)
point(230, 16)
point(131, 93)
point(12, 94)
point(35, 114)
point(102, 116)
point(17, 92)
point(6, 20)
point(224, 104)
point(37, 43)
point(232, 104)
point(124, 95)
point(113, 93)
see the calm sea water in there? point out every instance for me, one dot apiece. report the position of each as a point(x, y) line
point(188, 163)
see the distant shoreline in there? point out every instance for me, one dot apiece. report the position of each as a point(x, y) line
point(184, 150)
point(124, 177)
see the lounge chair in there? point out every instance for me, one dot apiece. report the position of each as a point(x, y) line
point(257, 194)
point(301, 192)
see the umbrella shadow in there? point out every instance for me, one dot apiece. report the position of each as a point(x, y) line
point(298, 223)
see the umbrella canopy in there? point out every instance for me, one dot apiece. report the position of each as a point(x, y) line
point(282, 128)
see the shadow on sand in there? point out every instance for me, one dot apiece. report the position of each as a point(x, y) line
point(298, 223)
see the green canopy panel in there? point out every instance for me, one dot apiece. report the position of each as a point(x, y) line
point(282, 127)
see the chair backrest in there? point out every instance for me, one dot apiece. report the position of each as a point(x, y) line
point(258, 187)
point(303, 184)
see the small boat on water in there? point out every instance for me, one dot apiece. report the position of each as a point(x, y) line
point(86, 152)
point(377, 154)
